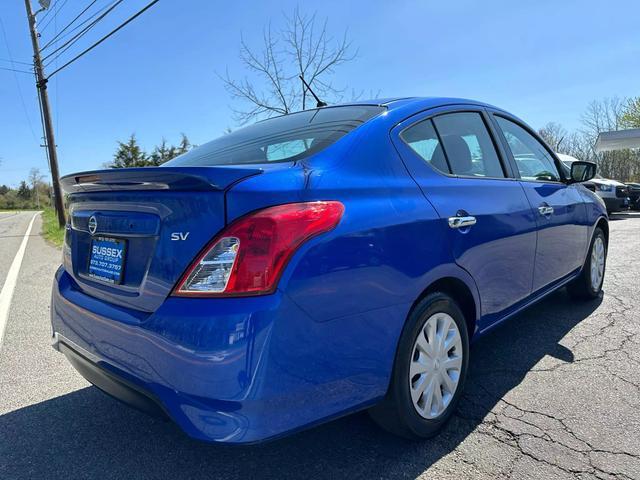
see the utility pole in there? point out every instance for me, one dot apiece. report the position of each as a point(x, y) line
point(41, 84)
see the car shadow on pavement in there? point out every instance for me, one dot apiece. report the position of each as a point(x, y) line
point(87, 434)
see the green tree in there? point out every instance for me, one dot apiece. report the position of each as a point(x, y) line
point(9, 200)
point(24, 193)
point(631, 115)
point(129, 154)
point(185, 144)
point(163, 153)
point(4, 189)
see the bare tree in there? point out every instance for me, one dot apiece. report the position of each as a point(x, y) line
point(562, 141)
point(554, 134)
point(600, 116)
point(35, 179)
point(576, 145)
point(303, 47)
point(604, 116)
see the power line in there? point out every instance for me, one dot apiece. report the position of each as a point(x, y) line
point(15, 70)
point(44, 27)
point(87, 50)
point(51, 9)
point(69, 43)
point(12, 61)
point(24, 105)
point(73, 40)
point(69, 24)
point(91, 17)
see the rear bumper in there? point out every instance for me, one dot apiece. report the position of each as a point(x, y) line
point(236, 370)
point(108, 382)
point(198, 368)
point(616, 204)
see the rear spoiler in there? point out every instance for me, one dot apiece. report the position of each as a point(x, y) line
point(157, 178)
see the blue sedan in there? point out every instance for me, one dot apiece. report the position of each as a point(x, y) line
point(320, 263)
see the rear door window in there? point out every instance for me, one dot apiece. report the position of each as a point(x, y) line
point(468, 145)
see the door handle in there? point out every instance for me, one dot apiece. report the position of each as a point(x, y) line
point(461, 222)
point(545, 210)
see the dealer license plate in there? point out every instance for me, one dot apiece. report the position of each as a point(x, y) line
point(106, 261)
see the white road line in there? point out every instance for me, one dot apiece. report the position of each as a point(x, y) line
point(10, 283)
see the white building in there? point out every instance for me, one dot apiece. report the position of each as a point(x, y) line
point(618, 140)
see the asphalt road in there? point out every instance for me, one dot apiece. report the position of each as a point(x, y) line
point(555, 393)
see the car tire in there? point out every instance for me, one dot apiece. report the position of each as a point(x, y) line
point(398, 413)
point(586, 286)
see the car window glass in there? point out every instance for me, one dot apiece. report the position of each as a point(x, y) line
point(279, 151)
point(533, 160)
point(423, 139)
point(468, 145)
point(291, 137)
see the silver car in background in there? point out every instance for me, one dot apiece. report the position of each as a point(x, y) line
point(615, 194)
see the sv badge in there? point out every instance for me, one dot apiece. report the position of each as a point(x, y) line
point(179, 236)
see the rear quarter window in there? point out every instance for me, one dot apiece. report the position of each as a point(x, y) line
point(423, 139)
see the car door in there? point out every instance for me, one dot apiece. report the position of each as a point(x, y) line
point(559, 208)
point(456, 162)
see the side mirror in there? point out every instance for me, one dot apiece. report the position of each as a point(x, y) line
point(582, 171)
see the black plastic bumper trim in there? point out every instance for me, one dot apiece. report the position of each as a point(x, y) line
point(113, 385)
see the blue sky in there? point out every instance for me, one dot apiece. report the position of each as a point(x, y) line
point(543, 61)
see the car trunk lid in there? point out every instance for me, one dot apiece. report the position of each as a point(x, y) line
point(158, 219)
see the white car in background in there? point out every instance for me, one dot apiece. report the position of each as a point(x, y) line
point(615, 194)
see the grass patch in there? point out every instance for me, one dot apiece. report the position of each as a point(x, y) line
point(50, 229)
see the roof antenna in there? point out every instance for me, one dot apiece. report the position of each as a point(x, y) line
point(319, 103)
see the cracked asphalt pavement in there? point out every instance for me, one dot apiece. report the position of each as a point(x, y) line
point(552, 394)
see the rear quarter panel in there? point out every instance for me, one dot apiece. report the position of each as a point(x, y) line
point(355, 285)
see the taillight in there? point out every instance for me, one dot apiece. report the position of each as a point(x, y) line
point(249, 256)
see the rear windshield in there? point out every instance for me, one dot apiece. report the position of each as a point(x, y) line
point(281, 139)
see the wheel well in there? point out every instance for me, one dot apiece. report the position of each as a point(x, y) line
point(604, 225)
point(459, 291)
